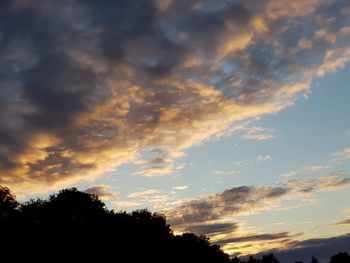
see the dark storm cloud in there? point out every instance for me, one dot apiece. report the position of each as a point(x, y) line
point(88, 85)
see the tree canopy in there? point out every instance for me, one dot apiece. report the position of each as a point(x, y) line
point(77, 225)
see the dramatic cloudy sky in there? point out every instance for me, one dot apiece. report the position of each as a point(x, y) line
point(230, 116)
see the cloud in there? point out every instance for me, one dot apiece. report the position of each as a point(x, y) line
point(222, 172)
point(343, 222)
point(180, 187)
point(242, 200)
point(321, 248)
point(256, 237)
point(210, 229)
point(216, 214)
point(333, 181)
point(334, 59)
point(345, 31)
point(234, 201)
point(297, 8)
point(346, 10)
point(103, 191)
point(261, 158)
point(315, 168)
point(87, 86)
point(144, 193)
point(341, 155)
point(289, 174)
point(287, 247)
point(256, 133)
point(345, 211)
point(304, 43)
point(160, 162)
point(257, 137)
point(126, 204)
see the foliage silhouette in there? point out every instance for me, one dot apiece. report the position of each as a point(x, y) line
point(314, 260)
point(253, 260)
point(8, 202)
point(76, 226)
point(341, 257)
point(269, 258)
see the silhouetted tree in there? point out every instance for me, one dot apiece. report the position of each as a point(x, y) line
point(8, 202)
point(236, 260)
point(342, 257)
point(73, 225)
point(76, 225)
point(269, 258)
point(253, 260)
point(314, 260)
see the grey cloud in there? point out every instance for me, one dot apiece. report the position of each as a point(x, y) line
point(243, 199)
point(58, 88)
point(321, 248)
point(256, 237)
point(210, 229)
point(277, 192)
point(103, 191)
point(228, 203)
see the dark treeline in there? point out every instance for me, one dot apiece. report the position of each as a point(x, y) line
point(74, 225)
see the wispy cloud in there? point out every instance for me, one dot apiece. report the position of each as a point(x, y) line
point(225, 172)
point(256, 133)
point(341, 155)
point(315, 168)
point(215, 228)
point(343, 222)
point(180, 187)
point(143, 193)
point(120, 204)
point(256, 237)
point(261, 158)
point(103, 191)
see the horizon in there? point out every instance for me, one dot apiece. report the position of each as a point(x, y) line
point(230, 117)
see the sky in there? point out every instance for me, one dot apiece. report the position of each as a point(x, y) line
point(230, 117)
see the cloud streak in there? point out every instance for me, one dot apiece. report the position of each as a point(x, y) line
point(321, 248)
point(103, 191)
point(343, 222)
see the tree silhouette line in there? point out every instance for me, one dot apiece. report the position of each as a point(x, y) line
point(74, 225)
